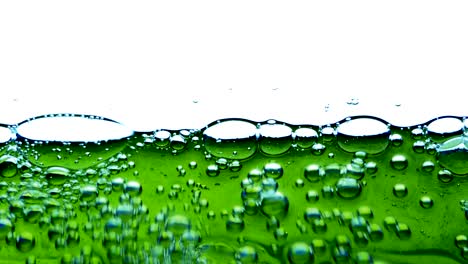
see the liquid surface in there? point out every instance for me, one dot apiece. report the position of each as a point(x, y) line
point(356, 191)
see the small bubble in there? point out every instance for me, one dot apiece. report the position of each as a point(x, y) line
point(300, 252)
point(426, 202)
point(312, 196)
point(400, 190)
point(399, 162)
point(445, 176)
point(273, 170)
point(348, 188)
point(212, 170)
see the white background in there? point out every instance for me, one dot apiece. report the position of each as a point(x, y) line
point(146, 64)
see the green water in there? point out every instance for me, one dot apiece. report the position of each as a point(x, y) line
point(236, 191)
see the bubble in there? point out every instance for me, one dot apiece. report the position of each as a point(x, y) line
point(417, 133)
point(452, 153)
point(400, 190)
point(162, 138)
point(461, 241)
point(327, 192)
point(212, 170)
point(305, 137)
point(363, 134)
point(363, 257)
point(246, 254)
point(403, 231)
point(133, 188)
point(299, 183)
point(348, 188)
point(428, 166)
point(390, 223)
point(72, 129)
point(375, 232)
point(426, 202)
point(419, 146)
point(300, 252)
point(280, 234)
point(177, 224)
point(222, 163)
point(274, 204)
point(319, 246)
point(311, 214)
point(255, 175)
point(269, 185)
point(273, 170)
point(443, 127)
point(232, 139)
point(275, 139)
point(445, 176)
point(318, 149)
point(312, 196)
point(399, 162)
point(235, 224)
point(25, 241)
point(57, 175)
point(235, 166)
point(371, 167)
point(6, 226)
point(8, 166)
point(314, 173)
point(341, 255)
point(178, 142)
point(361, 239)
point(396, 140)
point(89, 193)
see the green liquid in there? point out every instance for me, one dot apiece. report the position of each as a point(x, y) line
point(240, 192)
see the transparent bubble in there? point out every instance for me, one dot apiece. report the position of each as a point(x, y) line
point(348, 188)
point(314, 173)
point(232, 139)
point(426, 202)
point(363, 134)
point(312, 196)
point(300, 252)
point(274, 204)
point(275, 139)
point(305, 137)
point(273, 170)
point(212, 170)
point(399, 162)
point(400, 190)
point(445, 176)
point(246, 254)
point(452, 153)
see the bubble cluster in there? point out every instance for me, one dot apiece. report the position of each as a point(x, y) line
point(237, 191)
